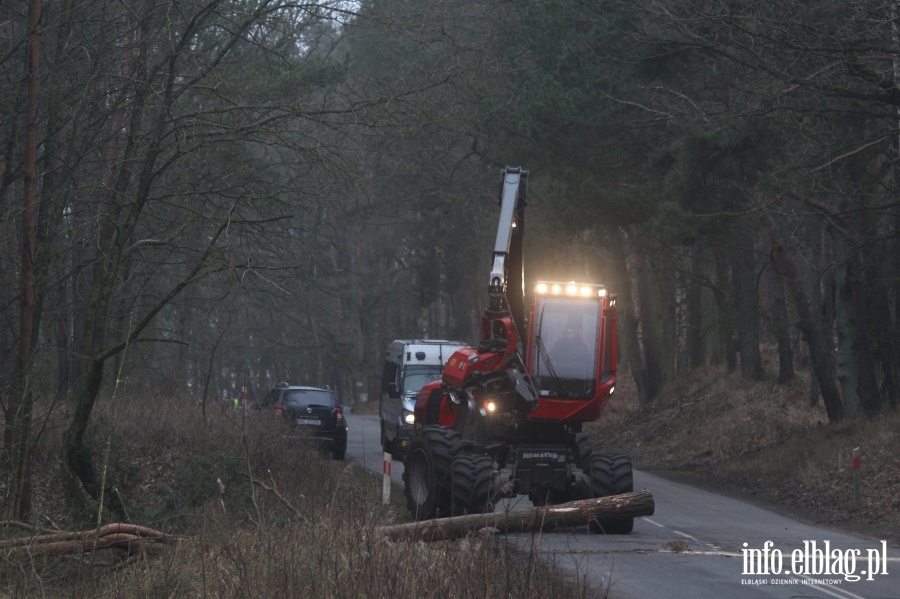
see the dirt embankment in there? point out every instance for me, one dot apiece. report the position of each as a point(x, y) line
point(762, 441)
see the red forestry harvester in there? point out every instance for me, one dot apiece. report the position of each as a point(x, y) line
point(506, 417)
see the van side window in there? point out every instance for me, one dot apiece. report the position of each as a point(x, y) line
point(389, 375)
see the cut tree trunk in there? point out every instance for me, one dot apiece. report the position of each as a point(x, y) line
point(126, 537)
point(574, 513)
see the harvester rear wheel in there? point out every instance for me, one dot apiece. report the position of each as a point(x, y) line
point(427, 471)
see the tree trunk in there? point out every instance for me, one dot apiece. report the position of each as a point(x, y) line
point(882, 324)
point(658, 355)
point(17, 433)
point(682, 318)
point(628, 323)
point(863, 347)
point(780, 324)
point(819, 348)
point(743, 274)
point(726, 315)
point(79, 483)
point(845, 360)
point(817, 302)
point(63, 348)
point(695, 334)
point(856, 366)
point(574, 513)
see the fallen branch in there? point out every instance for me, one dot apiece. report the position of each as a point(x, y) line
point(690, 403)
point(274, 490)
point(22, 526)
point(574, 513)
point(112, 536)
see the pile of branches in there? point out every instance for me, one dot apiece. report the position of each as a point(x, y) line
point(126, 537)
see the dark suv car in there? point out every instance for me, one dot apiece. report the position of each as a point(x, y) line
point(314, 408)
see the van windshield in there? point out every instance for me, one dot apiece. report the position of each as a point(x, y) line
point(417, 377)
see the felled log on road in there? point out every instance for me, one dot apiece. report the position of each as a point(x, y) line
point(564, 515)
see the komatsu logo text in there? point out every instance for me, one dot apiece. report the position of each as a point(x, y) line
point(542, 455)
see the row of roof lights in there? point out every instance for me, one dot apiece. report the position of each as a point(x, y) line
point(570, 289)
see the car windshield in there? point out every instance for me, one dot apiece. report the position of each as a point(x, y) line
point(308, 397)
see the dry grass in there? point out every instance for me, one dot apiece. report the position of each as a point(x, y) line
point(762, 441)
point(315, 537)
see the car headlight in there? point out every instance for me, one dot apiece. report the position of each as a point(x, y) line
point(409, 417)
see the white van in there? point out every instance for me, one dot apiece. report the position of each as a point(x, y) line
point(408, 366)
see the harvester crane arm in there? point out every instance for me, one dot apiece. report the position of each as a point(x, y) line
point(506, 286)
point(497, 365)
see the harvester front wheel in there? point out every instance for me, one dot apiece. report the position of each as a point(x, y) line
point(584, 451)
point(612, 475)
point(472, 480)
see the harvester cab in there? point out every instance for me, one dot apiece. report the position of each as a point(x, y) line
point(571, 350)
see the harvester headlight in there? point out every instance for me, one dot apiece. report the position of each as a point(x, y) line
point(556, 289)
point(571, 289)
point(601, 292)
point(487, 408)
point(541, 288)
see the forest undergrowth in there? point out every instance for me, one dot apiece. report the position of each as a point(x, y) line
point(258, 511)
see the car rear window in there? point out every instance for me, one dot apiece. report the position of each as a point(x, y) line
point(309, 397)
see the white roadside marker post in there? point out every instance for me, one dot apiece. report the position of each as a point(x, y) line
point(386, 480)
point(855, 466)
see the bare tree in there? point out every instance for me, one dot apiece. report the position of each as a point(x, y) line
point(18, 415)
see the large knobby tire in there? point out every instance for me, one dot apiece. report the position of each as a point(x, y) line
point(426, 472)
point(472, 485)
point(612, 475)
point(584, 451)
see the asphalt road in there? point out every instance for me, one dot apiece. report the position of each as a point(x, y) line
point(699, 545)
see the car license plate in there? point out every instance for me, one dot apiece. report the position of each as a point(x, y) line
point(308, 421)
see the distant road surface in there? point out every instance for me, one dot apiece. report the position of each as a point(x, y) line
point(697, 545)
